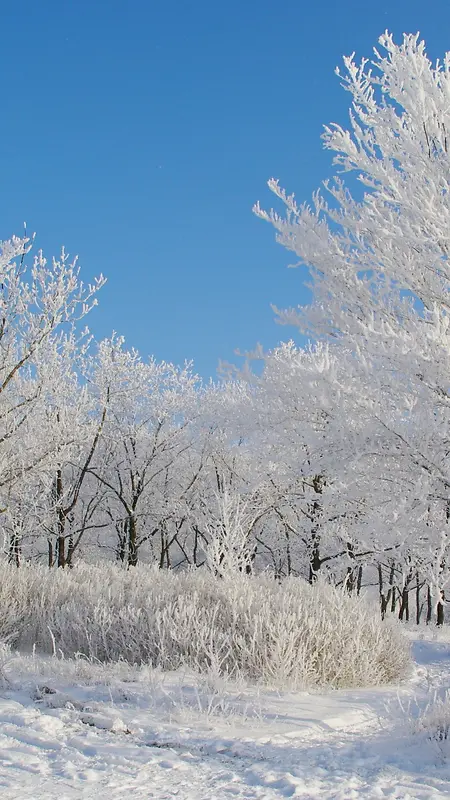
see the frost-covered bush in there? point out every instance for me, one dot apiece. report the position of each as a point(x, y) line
point(288, 633)
point(434, 722)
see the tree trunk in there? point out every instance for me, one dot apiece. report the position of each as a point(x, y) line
point(121, 548)
point(61, 551)
point(359, 581)
point(384, 598)
point(440, 610)
point(288, 551)
point(163, 541)
point(51, 559)
point(61, 520)
point(404, 604)
point(418, 604)
point(315, 561)
point(394, 593)
point(195, 548)
point(353, 577)
point(14, 550)
point(350, 580)
point(429, 605)
point(132, 541)
point(70, 552)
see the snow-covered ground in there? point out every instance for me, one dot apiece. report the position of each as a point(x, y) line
point(71, 729)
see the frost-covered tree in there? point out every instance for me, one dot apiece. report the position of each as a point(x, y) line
point(379, 265)
point(141, 459)
point(40, 307)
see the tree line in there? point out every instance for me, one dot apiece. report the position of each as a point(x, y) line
point(332, 458)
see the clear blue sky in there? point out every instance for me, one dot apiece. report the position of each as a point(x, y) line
point(139, 134)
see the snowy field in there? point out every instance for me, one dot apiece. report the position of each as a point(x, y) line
point(73, 729)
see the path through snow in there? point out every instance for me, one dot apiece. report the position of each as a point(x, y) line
point(68, 733)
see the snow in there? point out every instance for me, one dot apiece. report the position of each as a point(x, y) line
point(74, 729)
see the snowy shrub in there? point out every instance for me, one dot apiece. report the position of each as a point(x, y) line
point(288, 633)
point(434, 722)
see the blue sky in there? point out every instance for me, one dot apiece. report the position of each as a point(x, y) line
point(139, 135)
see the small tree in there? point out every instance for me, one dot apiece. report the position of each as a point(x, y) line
point(231, 548)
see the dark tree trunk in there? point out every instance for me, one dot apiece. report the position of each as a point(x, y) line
point(315, 560)
point(195, 550)
point(350, 581)
point(51, 558)
point(249, 561)
point(132, 541)
point(61, 521)
point(351, 577)
point(61, 551)
point(403, 613)
point(388, 597)
point(121, 549)
point(429, 605)
point(14, 550)
point(440, 610)
point(419, 606)
point(384, 598)
point(359, 581)
point(404, 600)
point(288, 552)
point(163, 540)
point(394, 592)
point(70, 552)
